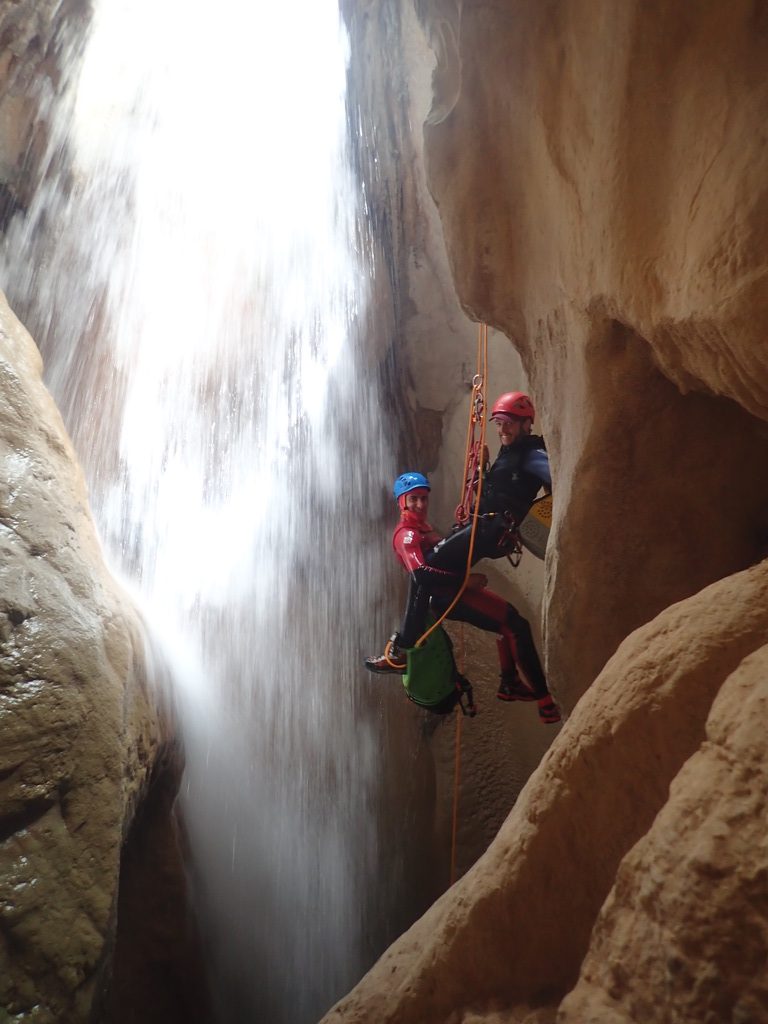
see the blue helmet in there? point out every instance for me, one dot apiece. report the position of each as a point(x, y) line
point(409, 482)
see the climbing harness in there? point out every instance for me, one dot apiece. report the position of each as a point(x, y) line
point(515, 552)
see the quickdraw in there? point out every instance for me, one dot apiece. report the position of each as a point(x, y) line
point(474, 449)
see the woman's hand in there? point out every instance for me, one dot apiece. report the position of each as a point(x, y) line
point(477, 581)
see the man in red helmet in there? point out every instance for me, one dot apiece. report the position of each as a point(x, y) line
point(521, 468)
point(510, 486)
point(417, 546)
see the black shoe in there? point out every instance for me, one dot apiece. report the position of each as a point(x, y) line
point(512, 687)
point(387, 664)
point(549, 712)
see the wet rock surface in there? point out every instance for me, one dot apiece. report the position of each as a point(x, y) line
point(79, 727)
point(38, 43)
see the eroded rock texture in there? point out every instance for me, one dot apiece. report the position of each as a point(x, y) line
point(428, 347)
point(38, 43)
point(601, 174)
point(512, 934)
point(79, 733)
point(684, 933)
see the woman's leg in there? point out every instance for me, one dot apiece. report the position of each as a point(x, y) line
point(415, 615)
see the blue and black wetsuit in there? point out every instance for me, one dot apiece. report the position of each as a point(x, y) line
point(510, 486)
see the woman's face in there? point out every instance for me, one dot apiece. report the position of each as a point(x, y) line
point(417, 501)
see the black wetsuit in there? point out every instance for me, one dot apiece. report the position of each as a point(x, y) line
point(509, 489)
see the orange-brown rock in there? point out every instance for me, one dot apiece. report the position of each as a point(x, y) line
point(508, 940)
point(601, 172)
point(78, 731)
point(683, 935)
point(601, 175)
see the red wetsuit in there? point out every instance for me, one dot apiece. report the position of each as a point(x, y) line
point(414, 540)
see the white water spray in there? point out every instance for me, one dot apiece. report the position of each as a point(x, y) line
point(195, 287)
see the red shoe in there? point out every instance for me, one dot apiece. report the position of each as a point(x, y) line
point(549, 712)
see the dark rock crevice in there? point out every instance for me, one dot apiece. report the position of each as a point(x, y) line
point(157, 974)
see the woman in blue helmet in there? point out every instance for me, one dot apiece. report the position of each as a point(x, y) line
point(416, 544)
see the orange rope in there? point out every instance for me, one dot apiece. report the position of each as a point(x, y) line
point(478, 389)
point(456, 786)
point(456, 769)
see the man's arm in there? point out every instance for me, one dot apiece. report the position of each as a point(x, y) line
point(537, 464)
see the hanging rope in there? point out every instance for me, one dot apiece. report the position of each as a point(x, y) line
point(473, 467)
point(472, 483)
point(456, 769)
point(471, 490)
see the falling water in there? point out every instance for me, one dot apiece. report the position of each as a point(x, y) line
point(196, 281)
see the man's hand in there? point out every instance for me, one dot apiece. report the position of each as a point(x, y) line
point(477, 581)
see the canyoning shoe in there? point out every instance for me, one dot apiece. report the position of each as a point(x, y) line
point(549, 712)
point(512, 687)
point(385, 665)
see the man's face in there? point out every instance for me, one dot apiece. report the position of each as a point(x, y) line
point(418, 501)
point(510, 428)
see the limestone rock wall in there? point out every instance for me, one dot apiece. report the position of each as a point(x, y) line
point(684, 877)
point(428, 346)
point(38, 41)
point(600, 172)
point(689, 905)
point(79, 729)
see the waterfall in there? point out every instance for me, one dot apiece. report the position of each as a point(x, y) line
point(194, 269)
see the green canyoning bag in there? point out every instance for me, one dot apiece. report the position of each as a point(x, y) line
point(432, 679)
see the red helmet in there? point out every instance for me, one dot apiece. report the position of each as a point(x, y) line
point(514, 403)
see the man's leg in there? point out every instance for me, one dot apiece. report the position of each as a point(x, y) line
point(451, 553)
point(490, 612)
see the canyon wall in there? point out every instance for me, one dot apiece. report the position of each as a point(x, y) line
point(36, 50)
point(601, 204)
point(601, 174)
point(80, 731)
point(590, 181)
point(429, 350)
point(86, 758)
